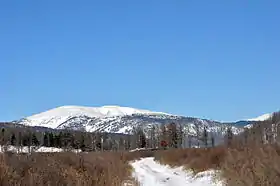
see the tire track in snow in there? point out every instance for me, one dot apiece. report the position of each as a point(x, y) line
point(150, 173)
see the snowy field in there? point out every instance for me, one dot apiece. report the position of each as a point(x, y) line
point(150, 173)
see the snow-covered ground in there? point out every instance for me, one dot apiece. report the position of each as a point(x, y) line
point(25, 149)
point(150, 173)
point(137, 149)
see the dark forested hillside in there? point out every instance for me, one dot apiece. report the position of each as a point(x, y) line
point(166, 136)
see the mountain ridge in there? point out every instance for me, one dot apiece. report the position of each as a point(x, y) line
point(125, 120)
point(108, 119)
point(261, 117)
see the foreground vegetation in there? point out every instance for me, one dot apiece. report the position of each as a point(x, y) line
point(66, 168)
point(243, 166)
point(249, 159)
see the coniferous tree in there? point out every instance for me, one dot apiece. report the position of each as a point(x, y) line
point(57, 140)
point(98, 141)
point(25, 139)
point(163, 136)
point(34, 140)
point(46, 141)
point(13, 139)
point(229, 136)
point(29, 141)
point(105, 138)
point(87, 137)
point(205, 137)
point(278, 133)
point(212, 141)
point(109, 145)
point(51, 139)
point(153, 137)
point(141, 138)
point(92, 140)
point(172, 135)
point(102, 142)
point(246, 136)
point(65, 139)
point(198, 133)
point(121, 144)
point(181, 136)
point(3, 134)
point(82, 143)
point(190, 141)
point(2, 139)
point(259, 134)
point(127, 143)
point(74, 143)
point(19, 142)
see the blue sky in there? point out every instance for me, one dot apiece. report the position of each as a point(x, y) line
point(211, 59)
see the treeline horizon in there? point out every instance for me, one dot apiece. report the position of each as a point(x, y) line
point(166, 136)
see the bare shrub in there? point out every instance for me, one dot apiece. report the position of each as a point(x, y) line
point(194, 158)
point(252, 166)
point(100, 168)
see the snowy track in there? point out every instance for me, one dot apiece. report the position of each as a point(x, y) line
point(150, 173)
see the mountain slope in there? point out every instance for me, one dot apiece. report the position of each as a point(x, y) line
point(54, 118)
point(261, 118)
point(114, 119)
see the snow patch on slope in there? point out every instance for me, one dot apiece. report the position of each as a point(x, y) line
point(148, 172)
point(261, 118)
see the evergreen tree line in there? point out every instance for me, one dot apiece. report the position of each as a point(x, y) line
point(66, 140)
point(173, 136)
point(166, 136)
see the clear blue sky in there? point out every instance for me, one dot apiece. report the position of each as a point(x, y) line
point(211, 59)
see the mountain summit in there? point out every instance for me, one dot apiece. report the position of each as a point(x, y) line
point(56, 117)
point(100, 112)
point(114, 119)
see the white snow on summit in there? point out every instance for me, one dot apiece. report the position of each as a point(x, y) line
point(104, 111)
point(116, 119)
point(52, 118)
point(260, 118)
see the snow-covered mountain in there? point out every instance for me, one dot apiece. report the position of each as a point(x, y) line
point(116, 119)
point(58, 117)
point(261, 118)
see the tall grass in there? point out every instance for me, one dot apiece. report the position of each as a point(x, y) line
point(194, 158)
point(252, 166)
point(242, 166)
point(84, 169)
point(255, 165)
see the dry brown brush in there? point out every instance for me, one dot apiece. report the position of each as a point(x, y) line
point(193, 158)
point(71, 169)
point(252, 166)
point(255, 165)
